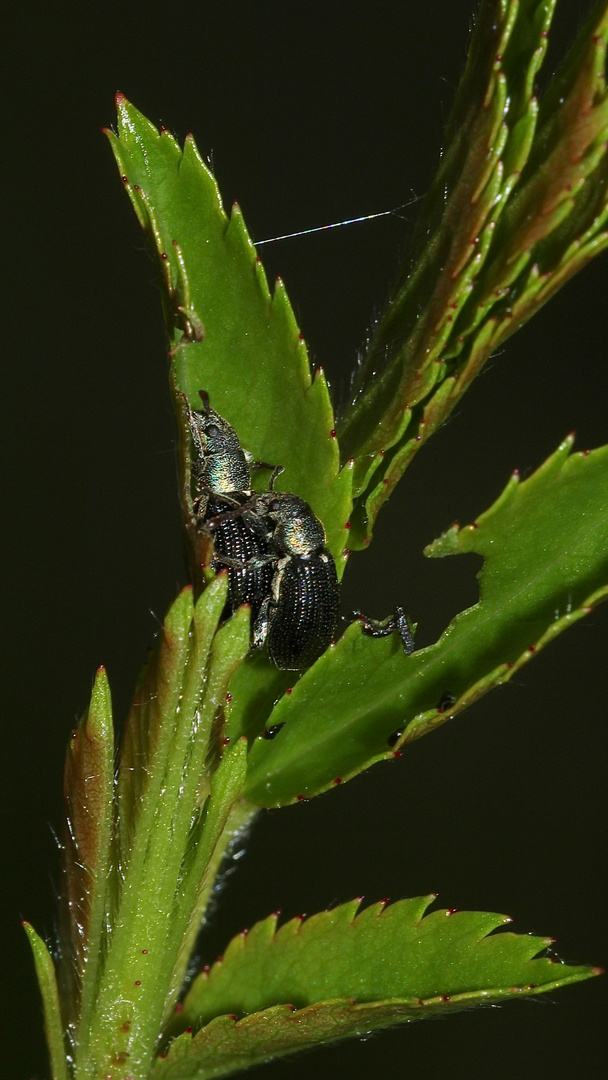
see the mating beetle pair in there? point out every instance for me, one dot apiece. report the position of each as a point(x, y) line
point(272, 545)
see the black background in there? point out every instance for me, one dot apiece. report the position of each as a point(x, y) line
point(311, 116)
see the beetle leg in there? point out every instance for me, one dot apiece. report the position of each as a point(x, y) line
point(256, 464)
point(261, 626)
point(404, 629)
point(276, 472)
point(257, 561)
point(227, 560)
point(399, 623)
point(226, 515)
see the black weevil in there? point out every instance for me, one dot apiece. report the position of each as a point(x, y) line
point(219, 482)
point(299, 618)
point(220, 466)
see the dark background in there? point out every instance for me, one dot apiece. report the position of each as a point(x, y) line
point(311, 116)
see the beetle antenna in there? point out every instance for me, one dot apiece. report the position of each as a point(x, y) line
point(204, 396)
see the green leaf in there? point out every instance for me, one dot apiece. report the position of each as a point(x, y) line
point(340, 973)
point(149, 727)
point(53, 1024)
point(87, 850)
point(254, 690)
point(518, 206)
point(559, 208)
point(208, 842)
point(228, 334)
point(487, 141)
point(544, 542)
point(173, 747)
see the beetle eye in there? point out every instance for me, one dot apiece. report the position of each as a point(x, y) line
point(274, 506)
point(212, 431)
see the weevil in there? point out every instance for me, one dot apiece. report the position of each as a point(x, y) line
point(217, 482)
point(299, 617)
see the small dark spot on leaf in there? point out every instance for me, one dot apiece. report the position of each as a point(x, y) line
point(446, 701)
point(271, 732)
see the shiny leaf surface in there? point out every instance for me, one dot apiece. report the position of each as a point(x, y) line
point(546, 566)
